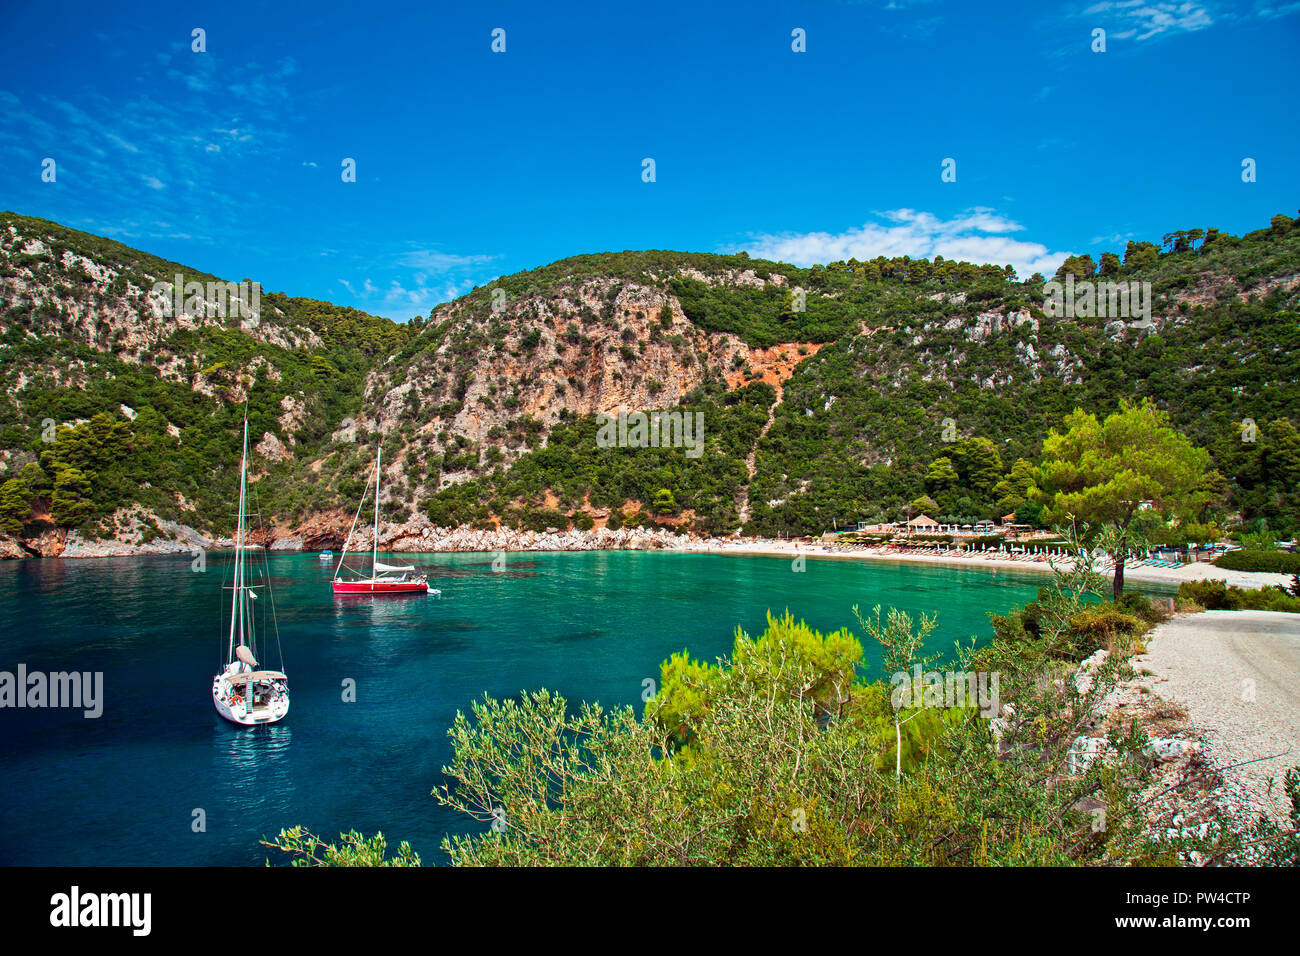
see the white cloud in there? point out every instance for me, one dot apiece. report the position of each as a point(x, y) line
point(434, 277)
point(101, 137)
point(1146, 20)
point(431, 261)
point(1266, 11)
point(978, 235)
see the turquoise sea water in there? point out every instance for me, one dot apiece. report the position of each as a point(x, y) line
point(123, 788)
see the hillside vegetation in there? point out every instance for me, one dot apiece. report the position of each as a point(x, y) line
point(843, 392)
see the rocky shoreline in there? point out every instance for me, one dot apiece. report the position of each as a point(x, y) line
point(141, 534)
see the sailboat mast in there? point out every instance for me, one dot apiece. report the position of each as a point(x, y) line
point(236, 602)
point(243, 558)
point(374, 558)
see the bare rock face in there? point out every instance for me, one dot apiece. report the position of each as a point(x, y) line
point(48, 544)
point(323, 531)
point(587, 347)
point(433, 539)
point(490, 385)
point(292, 413)
point(127, 531)
point(327, 531)
point(271, 448)
point(111, 312)
point(10, 548)
point(133, 531)
point(347, 431)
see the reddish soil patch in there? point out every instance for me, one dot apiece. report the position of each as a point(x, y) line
point(773, 365)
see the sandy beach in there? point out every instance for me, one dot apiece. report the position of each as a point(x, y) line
point(419, 536)
point(1137, 573)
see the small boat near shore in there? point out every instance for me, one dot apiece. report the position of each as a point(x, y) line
point(383, 578)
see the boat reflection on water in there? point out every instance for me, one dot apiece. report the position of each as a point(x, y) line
point(253, 765)
point(253, 749)
point(374, 610)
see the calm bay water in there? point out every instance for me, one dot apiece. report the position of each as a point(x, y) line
point(121, 789)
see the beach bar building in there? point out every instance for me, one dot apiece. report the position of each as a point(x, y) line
point(922, 524)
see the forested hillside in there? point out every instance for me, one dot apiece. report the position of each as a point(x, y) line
point(844, 392)
point(108, 404)
point(861, 431)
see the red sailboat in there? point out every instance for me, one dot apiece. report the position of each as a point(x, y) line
point(383, 578)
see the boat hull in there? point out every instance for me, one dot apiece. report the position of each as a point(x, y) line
point(381, 587)
point(240, 714)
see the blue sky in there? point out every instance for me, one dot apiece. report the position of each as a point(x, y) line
point(471, 164)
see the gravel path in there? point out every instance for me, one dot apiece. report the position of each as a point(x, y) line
point(1214, 663)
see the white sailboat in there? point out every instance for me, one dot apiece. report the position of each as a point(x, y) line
point(384, 578)
point(241, 692)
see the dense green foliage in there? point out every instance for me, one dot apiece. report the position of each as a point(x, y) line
point(864, 421)
point(1280, 562)
point(938, 383)
point(78, 454)
point(788, 762)
point(664, 481)
point(1216, 596)
point(1114, 473)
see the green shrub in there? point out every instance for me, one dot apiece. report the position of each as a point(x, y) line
point(1279, 562)
point(1211, 595)
point(1217, 596)
point(1140, 606)
point(542, 518)
point(1102, 625)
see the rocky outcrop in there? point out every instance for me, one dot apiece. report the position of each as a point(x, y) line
point(323, 531)
point(111, 308)
point(139, 532)
point(597, 539)
point(49, 543)
point(271, 448)
point(418, 534)
point(10, 548)
point(493, 384)
point(136, 531)
point(128, 531)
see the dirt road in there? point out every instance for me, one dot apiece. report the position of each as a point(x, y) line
point(1238, 675)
